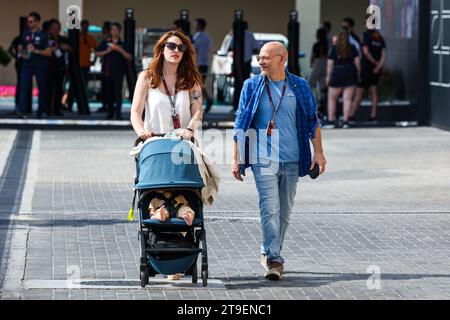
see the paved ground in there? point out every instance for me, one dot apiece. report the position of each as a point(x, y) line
point(384, 204)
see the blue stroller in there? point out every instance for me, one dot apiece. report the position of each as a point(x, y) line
point(171, 246)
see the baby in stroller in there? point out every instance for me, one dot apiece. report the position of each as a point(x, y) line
point(159, 207)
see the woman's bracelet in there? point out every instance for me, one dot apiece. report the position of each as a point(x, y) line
point(190, 130)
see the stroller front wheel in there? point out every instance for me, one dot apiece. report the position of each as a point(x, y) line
point(194, 273)
point(205, 277)
point(144, 275)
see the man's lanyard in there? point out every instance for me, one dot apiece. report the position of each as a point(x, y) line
point(175, 116)
point(275, 109)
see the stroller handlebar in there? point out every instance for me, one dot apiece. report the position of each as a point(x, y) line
point(139, 139)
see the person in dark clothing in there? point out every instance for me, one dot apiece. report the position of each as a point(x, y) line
point(327, 26)
point(114, 63)
point(348, 24)
point(34, 50)
point(178, 25)
point(343, 71)
point(87, 44)
point(57, 66)
point(373, 58)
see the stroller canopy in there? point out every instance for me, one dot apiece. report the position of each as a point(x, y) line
point(165, 163)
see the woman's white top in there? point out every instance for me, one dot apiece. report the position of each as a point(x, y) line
point(158, 111)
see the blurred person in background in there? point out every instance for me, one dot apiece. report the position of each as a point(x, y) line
point(57, 66)
point(327, 26)
point(87, 46)
point(343, 69)
point(114, 63)
point(373, 59)
point(348, 24)
point(318, 76)
point(33, 49)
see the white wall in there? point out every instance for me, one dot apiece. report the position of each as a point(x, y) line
point(309, 17)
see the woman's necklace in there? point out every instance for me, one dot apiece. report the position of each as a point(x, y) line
point(175, 117)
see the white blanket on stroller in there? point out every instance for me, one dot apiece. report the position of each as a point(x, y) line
point(208, 172)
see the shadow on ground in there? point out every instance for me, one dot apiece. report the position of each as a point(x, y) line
point(313, 279)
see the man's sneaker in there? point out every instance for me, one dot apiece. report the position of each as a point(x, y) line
point(264, 262)
point(275, 271)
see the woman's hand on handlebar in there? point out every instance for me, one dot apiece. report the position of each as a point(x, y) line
point(185, 134)
point(144, 134)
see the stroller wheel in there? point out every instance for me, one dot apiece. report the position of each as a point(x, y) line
point(144, 278)
point(194, 273)
point(205, 277)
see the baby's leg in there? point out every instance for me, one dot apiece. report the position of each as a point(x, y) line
point(187, 214)
point(161, 214)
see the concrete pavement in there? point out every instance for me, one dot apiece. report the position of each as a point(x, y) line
point(382, 206)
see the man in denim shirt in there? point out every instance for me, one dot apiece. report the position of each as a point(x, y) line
point(275, 121)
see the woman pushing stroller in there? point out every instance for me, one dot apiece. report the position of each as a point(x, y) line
point(170, 92)
point(172, 87)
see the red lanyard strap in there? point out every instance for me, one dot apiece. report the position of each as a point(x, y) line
point(175, 117)
point(172, 102)
point(275, 109)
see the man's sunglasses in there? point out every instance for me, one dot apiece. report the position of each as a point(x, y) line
point(172, 46)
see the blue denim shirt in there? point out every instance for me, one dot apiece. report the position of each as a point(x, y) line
point(307, 121)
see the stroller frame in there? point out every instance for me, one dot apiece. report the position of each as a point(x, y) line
point(197, 230)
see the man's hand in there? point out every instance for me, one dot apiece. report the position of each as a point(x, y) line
point(65, 47)
point(30, 47)
point(236, 171)
point(109, 50)
point(319, 158)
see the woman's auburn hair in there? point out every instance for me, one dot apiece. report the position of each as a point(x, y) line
point(343, 46)
point(188, 75)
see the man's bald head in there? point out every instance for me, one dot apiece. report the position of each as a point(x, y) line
point(272, 58)
point(275, 47)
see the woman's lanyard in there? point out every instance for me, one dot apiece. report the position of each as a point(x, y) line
point(175, 117)
point(271, 124)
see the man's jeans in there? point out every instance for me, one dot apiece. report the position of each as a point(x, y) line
point(277, 185)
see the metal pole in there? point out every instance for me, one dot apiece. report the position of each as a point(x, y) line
point(186, 25)
point(130, 39)
point(293, 46)
point(238, 55)
point(23, 26)
point(424, 99)
point(77, 80)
